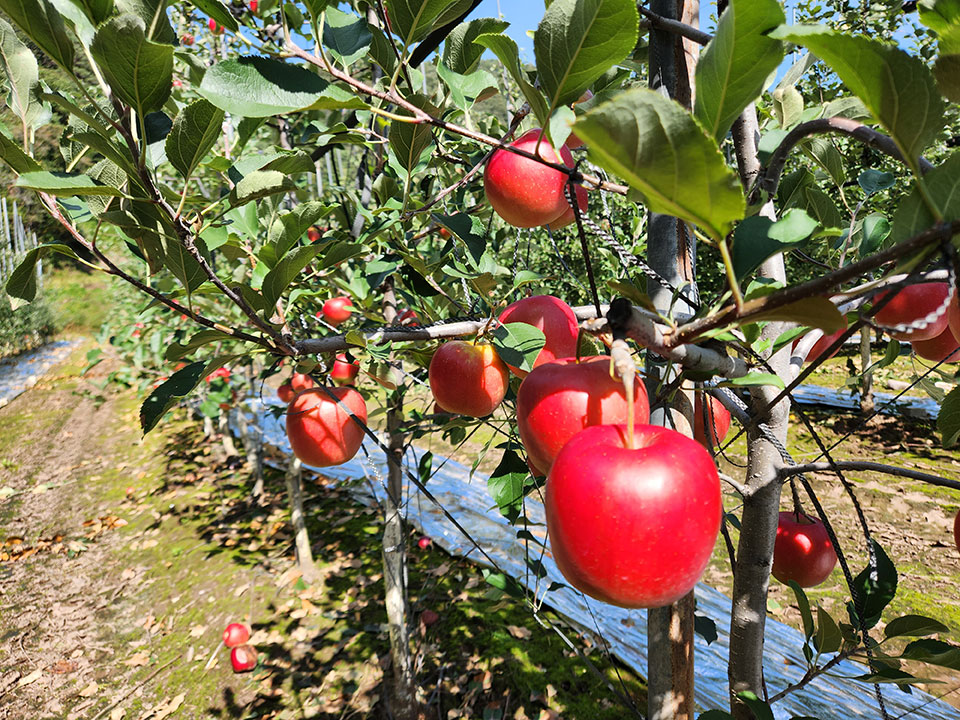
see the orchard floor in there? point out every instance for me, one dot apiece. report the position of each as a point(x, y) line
point(122, 559)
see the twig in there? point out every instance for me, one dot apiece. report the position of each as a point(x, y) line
point(658, 22)
point(868, 466)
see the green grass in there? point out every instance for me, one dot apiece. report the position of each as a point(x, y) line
point(80, 300)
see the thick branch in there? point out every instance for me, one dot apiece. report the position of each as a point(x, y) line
point(658, 22)
point(770, 179)
point(866, 466)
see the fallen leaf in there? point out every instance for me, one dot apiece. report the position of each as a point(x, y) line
point(90, 690)
point(169, 707)
point(117, 713)
point(520, 633)
point(63, 666)
point(31, 678)
point(197, 630)
point(137, 660)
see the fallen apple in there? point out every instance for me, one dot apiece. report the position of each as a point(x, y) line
point(235, 634)
point(243, 658)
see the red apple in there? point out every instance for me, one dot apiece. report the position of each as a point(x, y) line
point(911, 303)
point(719, 419)
point(177, 82)
point(561, 398)
point(313, 233)
point(187, 40)
point(522, 191)
point(298, 382)
point(554, 318)
point(943, 347)
point(235, 634)
point(253, 6)
point(443, 232)
point(212, 24)
point(567, 217)
point(821, 345)
point(802, 551)
point(243, 658)
point(408, 317)
point(468, 379)
point(633, 527)
point(953, 315)
point(321, 433)
point(337, 310)
point(344, 372)
point(429, 617)
point(423, 543)
point(573, 142)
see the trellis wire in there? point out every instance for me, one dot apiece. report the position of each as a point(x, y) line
point(15, 242)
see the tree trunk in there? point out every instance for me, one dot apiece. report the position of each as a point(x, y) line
point(762, 503)
point(866, 390)
point(671, 252)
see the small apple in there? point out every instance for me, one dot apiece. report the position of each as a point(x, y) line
point(554, 318)
point(337, 310)
point(344, 371)
point(568, 217)
point(253, 6)
point(297, 383)
point(235, 634)
point(243, 658)
point(321, 433)
point(187, 39)
point(443, 232)
point(313, 233)
point(802, 551)
point(468, 379)
point(429, 617)
point(423, 543)
point(212, 24)
point(177, 82)
point(219, 373)
point(911, 303)
point(719, 418)
point(633, 527)
point(944, 347)
point(559, 399)
point(408, 317)
point(522, 191)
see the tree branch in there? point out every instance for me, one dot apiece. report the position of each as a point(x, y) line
point(658, 22)
point(866, 466)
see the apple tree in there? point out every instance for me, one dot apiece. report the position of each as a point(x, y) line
point(244, 166)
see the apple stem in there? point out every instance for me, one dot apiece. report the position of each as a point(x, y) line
point(628, 387)
point(622, 362)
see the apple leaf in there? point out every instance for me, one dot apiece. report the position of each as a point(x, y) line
point(886, 674)
point(259, 184)
point(753, 379)
point(663, 153)
point(21, 69)
point(736, 63)
point(913, 626)
point(871, 181)
point(287, 229)
point(760, 709)
point(504, 583)
point(828, 638)
point(758, 238)
point(897, 88)
point(411, 20)
point(460, 54)
point(948, 420)
point(63, 184)
point(345, 36)
point(933, 652)
point(180, 384)
point(875, 589)
point(814, 312)
point(22, 283)
point(579, 40)
point(507, 53)
point(219, 12)
point(138, 70)
point(518, 344)
point(283, 273)
point(195, 130)
point(803, 604)
point(41, 22)
point(942, 186)
point(14, 156)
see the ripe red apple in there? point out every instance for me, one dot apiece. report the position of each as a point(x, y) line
point(953, 315)
point(212, 24)
point(423, 543)
point(429, 617)
point(235, 634)
point(802, 551)
point(297, 383)
point(561, 398)
point(253, 6)
point(554, 318)
point(633, 527)
point(911, 303)
point(243, 658)
point(467, 379)
point(321, 433)
point(522, 191)
point(337, 310)
point(573, 142)
point(408, 317)
point(344, 372)
point(821, 345)
point(719, 420)
point(567, 217)
point(187, 39)
point(313, 233)
point(443, 232)
point(943, 347)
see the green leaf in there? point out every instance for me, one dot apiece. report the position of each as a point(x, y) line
point(111, 176)
point(892, 676)
point(875, 589)
point(20, 66)
point(183, 265)
point(828, 157)
point(896, 87)
point(76, 17)
point(139, 71)
point(507, 482)
point(345, 36)
point(875, 229)
point(753, 378)
point(518, 344)
point(219, 12)
point(467, 89)
point(815, 312)
point(14, 156)
point(411, 20)
point(579, 40)
point(339, 252)
point(943, 189)
point(662, 153)
point(64, 184)
point(283, 273)
point(943, 16)
point(42, 24)
point(507, 53)
point(948, 419)
point(828, 638)
point(97, 10)
point(176, 351)
point(933, 652)
point(735, 64)
point(758, 238)
point(180, 384)
point(154, 16)
point(787, 106)
point(259, 184)
point(459, 52)
point(287, 229)
point(261, 87)
point(409, 141)
point(760, 709)
point(503, 583)
point(22, 283)
point(946, 70)
point(913, 626)
point(195, 131)
point(804, 606)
